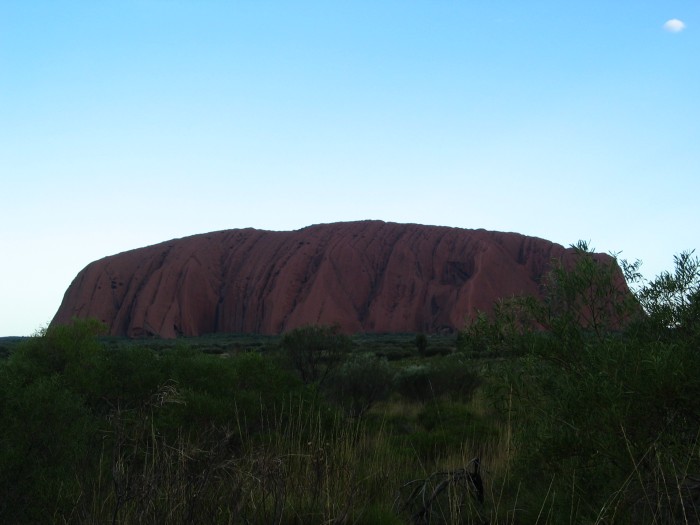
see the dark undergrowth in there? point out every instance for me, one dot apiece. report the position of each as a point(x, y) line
point(580, 408)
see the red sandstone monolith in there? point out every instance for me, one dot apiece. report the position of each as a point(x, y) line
point(367, 276)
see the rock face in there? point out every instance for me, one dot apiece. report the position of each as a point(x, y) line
point(367, 276)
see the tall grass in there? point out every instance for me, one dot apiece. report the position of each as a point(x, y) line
point(307, 464)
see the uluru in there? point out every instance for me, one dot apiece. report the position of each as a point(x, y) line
point(365, 276)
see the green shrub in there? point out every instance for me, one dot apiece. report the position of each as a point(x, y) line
point(445, 426)
point(45, 430)
point(315, 351)
point(444, 377)
point(360, 382)
point(413, 382)
point(129, 377)
point(72, 351)
point(672, 301)
point(606, 410)
point(393, 353)
point(226, 392)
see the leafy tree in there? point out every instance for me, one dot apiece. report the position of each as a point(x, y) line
point(672, 299)
point(360, 382)
point(584, 295)
point(585, 292)
point(71, 350)
point(128, 378)
point(504, 331)
point(315, 351)
point(45, 431)
point(597, 402)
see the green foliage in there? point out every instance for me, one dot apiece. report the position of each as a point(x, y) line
point(360, 382)
point(597, 391)
point(443, 377)
point(584, 293)
point(46, 425)
point(73, 413)
point(413, 382)
point(583, 296)
point(592, 423)
point(598, 403)
point(44, 432)
point(129, 376)
point(69, 350)
point(506, 331)
point(223, 392)
point(445, 426)
point(480, 335)
point(422, 344)
point(315, 351)
point(672, 299)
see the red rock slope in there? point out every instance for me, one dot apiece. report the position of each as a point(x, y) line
point(366, 276)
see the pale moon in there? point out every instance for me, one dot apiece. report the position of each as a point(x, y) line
point(674, 25)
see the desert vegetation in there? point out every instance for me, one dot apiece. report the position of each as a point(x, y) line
point(583, 407)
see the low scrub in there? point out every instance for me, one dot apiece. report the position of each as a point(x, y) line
point(562, 418)
point(451, 377)
point(360, 382)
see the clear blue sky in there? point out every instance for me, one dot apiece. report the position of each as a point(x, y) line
point(126, 123)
